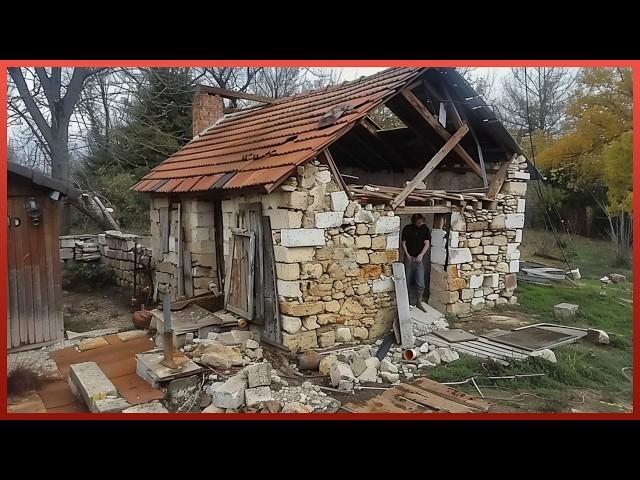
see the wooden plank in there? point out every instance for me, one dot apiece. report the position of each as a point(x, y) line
point(442, 115)
point(223, 92)
point(48, 330)
point(20, 270)
point(34, 233)
point(164, 229)
point(180, 269)
point(188, 278)
point(219, 242)
point(12, 284)
point(252, 213)
point(432, 400)
point(431, 120)
point(335, 172)
point(431, 165)
point(451, 394)
point(498, 180)
point(239, 298)
point(54, 274)
point(402, 300)
point(272, 327)
point(426, 210)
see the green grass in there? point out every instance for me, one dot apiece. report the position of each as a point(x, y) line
point(580, 367)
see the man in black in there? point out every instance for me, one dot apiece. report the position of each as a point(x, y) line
point(416, 239)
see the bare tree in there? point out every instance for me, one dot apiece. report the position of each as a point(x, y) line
point(548, 90)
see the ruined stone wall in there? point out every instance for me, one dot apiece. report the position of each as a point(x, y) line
point(198, 237)
point(475, 261)
point(333, 259)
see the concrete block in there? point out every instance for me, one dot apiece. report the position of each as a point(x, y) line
point(258, 374)
point(231, 393)
point(110, 405)
point(393, 241)
point(454, 239)
point(302, 237)
point(438, 255)
point(328, 219)
point(294, 254)
point(89, 382)
point(383, 285)
point(339, 201)
point(514, 266)
point(491, 280)
point(255, 396)
point(565, 310)
point(340, 372)
point(521, 205)
point(387, 224)
point(370, 374)
point(287, 271)
point(459, 255)
point(519, 174)
point(514, 220)
point(518, 238)
point(514, 188)
point(282, 218)
point(598, 336)
point(513, 255)
point(154, 407)
point(458, 222)
point(438, 238)
point(288, 288)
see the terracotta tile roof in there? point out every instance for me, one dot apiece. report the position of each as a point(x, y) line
point(265, 145)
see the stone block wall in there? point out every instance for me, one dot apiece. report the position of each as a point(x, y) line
point(475, 261)
point(120, 251)
point(333, 258)
point(196, 219)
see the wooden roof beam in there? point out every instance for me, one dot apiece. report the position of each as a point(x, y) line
point(223, 92)
point(431, 165)
point(440, 130)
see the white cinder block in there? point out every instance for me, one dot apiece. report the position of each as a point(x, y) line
point(518, 238)
point(339, 201)
point(454, 239)
point(514, 266)
point(438, 255)
point(302, 237)
point(387, 224)
point(438, 238)
point(491, 280)
point(458, 222)
point(514, 255)
point(328, 219)
point(393, 241)
point(288, 289)
point(383, 285)
point(475, 281)
point(522, 175)
point(514, 220)
point(459, 255)
point(521, 205)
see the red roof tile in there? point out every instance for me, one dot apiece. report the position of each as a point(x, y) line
point(265, 145)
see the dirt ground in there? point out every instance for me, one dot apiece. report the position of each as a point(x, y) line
point(107, 308)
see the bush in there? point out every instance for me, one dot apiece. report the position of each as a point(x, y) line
point(83, 276)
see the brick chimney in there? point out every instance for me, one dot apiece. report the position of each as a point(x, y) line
point(206, 110)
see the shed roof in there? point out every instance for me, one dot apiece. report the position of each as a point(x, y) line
point(262, 146)
point(42, 180)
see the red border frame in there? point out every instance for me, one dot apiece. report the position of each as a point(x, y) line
point(634, 64)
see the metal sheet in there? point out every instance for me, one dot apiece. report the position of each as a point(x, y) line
point(455, 335)
point(535, 338)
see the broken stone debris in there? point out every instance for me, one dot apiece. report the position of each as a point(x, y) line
point(154, 407)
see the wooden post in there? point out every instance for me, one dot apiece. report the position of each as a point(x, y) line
point(440, 130)
point(431, 165)
point(335, 172)
point(498, 180)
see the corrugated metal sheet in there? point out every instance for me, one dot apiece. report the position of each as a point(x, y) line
point(264, 145)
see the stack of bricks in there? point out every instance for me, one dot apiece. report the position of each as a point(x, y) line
point(82, 248)
point(333, 259)
point(475, 262)
point(119, 251)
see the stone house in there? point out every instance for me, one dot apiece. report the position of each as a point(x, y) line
point(295, 206)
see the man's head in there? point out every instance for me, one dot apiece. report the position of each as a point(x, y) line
point(417, 219)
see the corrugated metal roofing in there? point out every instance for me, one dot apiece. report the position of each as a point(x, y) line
point(265, 145)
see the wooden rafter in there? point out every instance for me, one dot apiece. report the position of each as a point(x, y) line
point(336, 173)
point(440, 130)
point(426, 210)
point(498, 179)
point(431, 165)
point(369, 126)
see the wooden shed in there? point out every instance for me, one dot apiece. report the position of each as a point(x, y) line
point(34, 297)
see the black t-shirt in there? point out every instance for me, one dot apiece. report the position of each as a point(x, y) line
point(415, 238)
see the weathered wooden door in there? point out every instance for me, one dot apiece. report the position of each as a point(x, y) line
point(34, 296)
